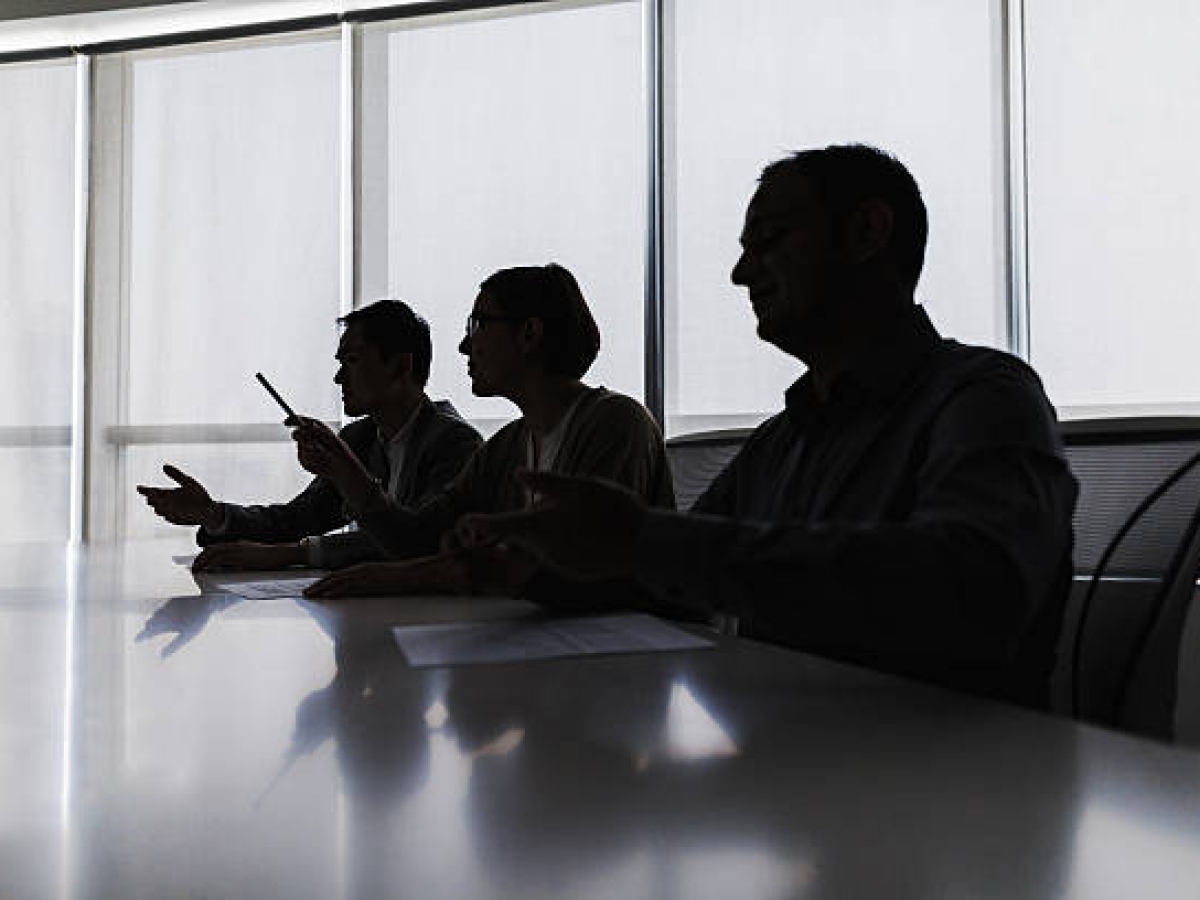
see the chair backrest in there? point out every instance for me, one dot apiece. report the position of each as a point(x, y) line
point(696, 459)
point(1121, 647)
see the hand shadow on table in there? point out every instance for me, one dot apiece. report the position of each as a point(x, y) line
point(185, 617)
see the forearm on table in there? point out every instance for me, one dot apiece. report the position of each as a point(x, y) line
point(881, 585)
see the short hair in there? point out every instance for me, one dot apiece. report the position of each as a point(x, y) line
point(570, 337)
point(844, 175)
point(392, 327)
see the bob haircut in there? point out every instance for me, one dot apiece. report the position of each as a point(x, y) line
point(570, 338)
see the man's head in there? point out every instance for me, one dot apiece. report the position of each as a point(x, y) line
point(383, 356)
point(528, 319)
point(827, 231)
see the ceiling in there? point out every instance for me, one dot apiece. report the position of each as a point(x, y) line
point(30, 9)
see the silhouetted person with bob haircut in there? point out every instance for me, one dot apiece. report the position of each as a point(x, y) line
point(411, 445)
point(530, 338)
point(909, 510)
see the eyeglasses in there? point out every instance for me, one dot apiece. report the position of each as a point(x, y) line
point(475, 321)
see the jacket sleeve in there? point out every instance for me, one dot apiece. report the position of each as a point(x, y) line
point(315, 510)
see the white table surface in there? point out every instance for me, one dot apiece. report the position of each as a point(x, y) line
point(157, 742)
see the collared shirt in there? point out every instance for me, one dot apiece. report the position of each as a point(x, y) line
point(541, 457)
point(917, 519)
point(394, 449)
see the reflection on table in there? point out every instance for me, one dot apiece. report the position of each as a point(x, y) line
point(164, 739)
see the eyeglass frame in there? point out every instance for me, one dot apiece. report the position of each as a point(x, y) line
point(476, 320)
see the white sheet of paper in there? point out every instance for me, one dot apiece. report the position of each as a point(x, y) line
point(473, 643)
point(266, 590)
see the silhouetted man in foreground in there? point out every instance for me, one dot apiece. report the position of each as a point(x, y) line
point(410, 445)
point(909, 510)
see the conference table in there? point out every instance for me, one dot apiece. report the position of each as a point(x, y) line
point(164, 738)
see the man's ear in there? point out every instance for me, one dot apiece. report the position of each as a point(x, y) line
point(401, 364)
point(869, 230)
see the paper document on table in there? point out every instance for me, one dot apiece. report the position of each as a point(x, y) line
point(473, 643)
point(267, 590)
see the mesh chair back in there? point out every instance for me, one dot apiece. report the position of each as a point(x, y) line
point(696, 459)
point(1116, 470)
point(1122, 647)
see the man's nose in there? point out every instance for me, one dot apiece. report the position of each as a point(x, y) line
point(464, 346)
point(739, 274)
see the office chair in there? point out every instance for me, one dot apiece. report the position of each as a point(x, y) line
point(696, 459)
point(1137, 556)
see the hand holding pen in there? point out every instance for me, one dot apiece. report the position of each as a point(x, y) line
point(322, 452)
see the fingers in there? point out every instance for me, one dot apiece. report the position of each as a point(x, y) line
point(469, 534)
point(560, 488)
point(208, 560)
point(477, 530)
point(317, 448)
point(332, 587)
point(376, 579)
point(311, 430)
point(222, 557)
point(180, 477)
point(175, 504)
point(163, 502)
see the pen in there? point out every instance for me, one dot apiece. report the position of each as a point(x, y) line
point(275, 394)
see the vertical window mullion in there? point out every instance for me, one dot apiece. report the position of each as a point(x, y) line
point(350, 169)
point(79, 311)
point(1016, 183)
point(652, 61)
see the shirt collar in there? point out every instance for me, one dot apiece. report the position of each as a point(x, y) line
point(881, 371)
point(400, 438)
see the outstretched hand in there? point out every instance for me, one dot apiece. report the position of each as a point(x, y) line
point(582, 526)
point(187, 504)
